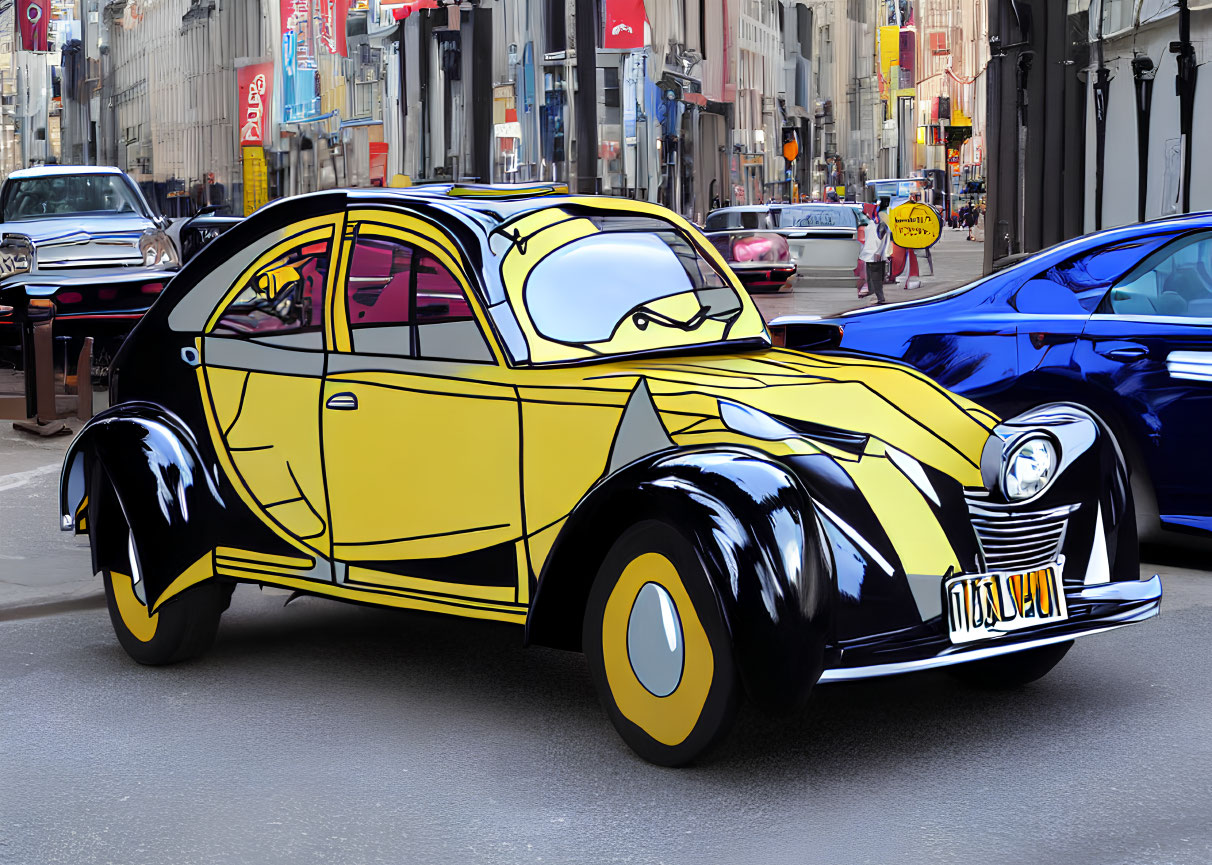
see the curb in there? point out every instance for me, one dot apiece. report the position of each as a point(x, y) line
point(36, 609)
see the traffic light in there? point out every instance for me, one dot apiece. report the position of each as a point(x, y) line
point(791, 143)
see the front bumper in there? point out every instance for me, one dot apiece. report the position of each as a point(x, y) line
point(1093, 609)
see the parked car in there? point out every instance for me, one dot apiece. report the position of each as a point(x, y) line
point(60, 217)
point(761, 260)
point(824, 239)
point(105, 299)
point(563, 412)
point(1119, 322)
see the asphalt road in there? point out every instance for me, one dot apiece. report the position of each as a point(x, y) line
point(330, 733)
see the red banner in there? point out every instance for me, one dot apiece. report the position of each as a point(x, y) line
point(332, 25)
point(33, 20)
point(256, 93)
point(624, 20)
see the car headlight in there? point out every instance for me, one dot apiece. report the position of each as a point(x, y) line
point(157, 249)
point(753, 423)
point(1029, 466)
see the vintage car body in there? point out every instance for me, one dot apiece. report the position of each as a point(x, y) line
point(564, 413)
point(59, 217)
point(1119, 321)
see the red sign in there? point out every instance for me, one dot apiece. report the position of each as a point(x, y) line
point(256, 93)
point(624, 20)
point(33, 20)
point(332, 25)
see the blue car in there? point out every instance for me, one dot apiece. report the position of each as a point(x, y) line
point(1119, 321)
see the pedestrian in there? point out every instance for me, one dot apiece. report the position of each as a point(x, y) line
point(874, 255)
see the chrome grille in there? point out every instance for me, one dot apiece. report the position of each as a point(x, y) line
point(1015, 540)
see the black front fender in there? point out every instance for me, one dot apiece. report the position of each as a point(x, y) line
point(754, 529)
point(154, 466)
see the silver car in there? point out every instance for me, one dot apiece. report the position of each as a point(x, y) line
point(824, 239)
point(59, 217)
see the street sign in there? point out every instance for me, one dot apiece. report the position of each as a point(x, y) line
point(915, 225)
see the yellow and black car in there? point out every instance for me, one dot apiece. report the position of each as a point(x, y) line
point(564, 412)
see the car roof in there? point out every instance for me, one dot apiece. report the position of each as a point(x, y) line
point(743, 208)
point(61, 170)
point(493, 204)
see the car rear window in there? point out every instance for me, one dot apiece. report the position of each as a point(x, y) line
point(731, 220)
point(823, 216)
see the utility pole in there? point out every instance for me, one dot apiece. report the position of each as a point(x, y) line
point(1184, 84)
point(587, 97)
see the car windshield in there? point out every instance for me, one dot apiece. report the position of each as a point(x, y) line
point(630, 283)
point(69, 195)
point(820, 216)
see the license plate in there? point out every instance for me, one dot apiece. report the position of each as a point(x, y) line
point(992, 605)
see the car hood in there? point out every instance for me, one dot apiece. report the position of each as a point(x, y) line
point(885, 401)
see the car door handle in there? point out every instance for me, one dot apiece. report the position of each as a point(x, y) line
point(342, 402)
point(1122, 351)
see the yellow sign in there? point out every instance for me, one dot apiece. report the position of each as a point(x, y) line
point(256, 178)
point(915, 225)
point(890, 55)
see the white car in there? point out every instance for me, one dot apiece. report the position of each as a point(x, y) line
point(60, 217)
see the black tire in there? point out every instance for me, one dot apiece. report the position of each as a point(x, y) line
point(666, 727)
point(183, 628)
point(1013, 670)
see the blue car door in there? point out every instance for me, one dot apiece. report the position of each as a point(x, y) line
point(1150, 342)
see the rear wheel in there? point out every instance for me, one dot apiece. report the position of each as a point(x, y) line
point(1013, 670)
point(183, 628)
point(658, 649)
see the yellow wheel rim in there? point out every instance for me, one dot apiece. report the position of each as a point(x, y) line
point(669, 719)
point(135, 616)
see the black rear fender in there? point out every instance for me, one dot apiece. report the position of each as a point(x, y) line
point(753, 528)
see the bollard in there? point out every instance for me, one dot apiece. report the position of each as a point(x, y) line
point(84, 380)
point(38, 352)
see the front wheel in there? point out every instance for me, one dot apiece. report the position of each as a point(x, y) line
point(658, 648)
point(1013, 670)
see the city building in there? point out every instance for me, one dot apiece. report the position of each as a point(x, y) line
point(689, 103)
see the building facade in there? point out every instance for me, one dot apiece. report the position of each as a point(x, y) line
point(688, 103)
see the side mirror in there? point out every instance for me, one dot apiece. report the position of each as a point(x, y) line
point(1044, 297)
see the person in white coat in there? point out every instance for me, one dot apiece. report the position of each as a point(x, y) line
point(877, 245)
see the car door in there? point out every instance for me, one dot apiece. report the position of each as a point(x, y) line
point(1150, 341)
point(420, 424)
point(1054, 305)
point(262, 359)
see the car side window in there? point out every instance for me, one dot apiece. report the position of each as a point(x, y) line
point(284, 296)
point(1089, 274)
point(403, 302)
point(378, 295)
point(446, 327)
point(1176, 280)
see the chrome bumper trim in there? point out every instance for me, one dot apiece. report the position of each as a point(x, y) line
point(1147, 591)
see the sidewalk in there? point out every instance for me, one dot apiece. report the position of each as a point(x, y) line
point(957, 261)
point(41, 568)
